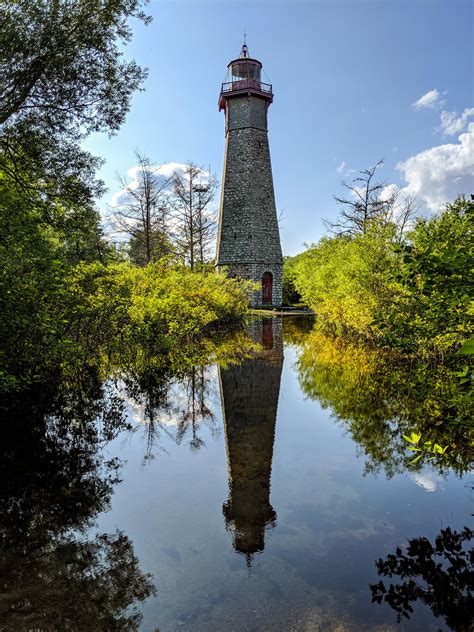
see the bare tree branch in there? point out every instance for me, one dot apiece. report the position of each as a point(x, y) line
point(145, 213)
point(194, 221)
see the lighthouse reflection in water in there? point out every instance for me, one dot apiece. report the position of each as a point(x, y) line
point(249, 395)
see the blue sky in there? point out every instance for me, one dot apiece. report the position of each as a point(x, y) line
point(346, 76)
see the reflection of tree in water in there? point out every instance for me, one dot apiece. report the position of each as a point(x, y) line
point(166, 401)
point(181, 393)
point(378, 397)
point(54, 480)
point(74, 584)
point(440, 576)
point(197, 388)
point(148, 388)
point(249, 393)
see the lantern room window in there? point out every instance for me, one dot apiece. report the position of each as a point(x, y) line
point(242, 70)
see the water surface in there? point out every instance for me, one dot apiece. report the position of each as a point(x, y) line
point(259, 493)
point(269, 520)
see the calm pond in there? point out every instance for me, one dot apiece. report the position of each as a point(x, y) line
point(258, 491)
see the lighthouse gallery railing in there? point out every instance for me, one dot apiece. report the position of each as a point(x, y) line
point(246, 84)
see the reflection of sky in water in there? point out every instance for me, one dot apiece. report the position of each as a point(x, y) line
point(332, 523)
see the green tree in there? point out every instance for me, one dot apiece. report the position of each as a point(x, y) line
point(415, 293)
point(62, 76)
point(435, 310)
point(61, 64)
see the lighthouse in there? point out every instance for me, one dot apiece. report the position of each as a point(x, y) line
point(248, 242)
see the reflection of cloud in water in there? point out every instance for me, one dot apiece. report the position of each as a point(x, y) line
point(427, 480)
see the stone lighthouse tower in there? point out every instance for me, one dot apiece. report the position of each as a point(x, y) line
point(248, 243)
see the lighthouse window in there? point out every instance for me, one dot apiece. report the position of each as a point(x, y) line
point(245, 71)
point(254, 73)
point(239, 71)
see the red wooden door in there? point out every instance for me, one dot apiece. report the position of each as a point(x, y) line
point(267, 282)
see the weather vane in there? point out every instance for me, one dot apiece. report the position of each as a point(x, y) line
point(245, 51)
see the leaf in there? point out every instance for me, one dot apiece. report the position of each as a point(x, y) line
point(467, 348)
point(416, 459)
point(413, 439)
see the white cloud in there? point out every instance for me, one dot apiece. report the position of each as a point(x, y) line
point(439, 174)
point(388, 192)
point(161, 174)
point(341, 167)
point(451, 123)
point(428, 100)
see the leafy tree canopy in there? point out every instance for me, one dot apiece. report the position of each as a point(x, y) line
point(61, 64)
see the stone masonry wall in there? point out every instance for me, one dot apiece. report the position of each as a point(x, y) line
point(248, 239)
point(254, 272)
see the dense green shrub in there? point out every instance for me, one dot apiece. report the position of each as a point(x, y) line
point(143, 304)
point(348, 280)
point(93, 306)
point(417, 296)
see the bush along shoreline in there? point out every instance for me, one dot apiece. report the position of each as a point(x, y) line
point(409, 302)
point(415, 295)
point(108, 309)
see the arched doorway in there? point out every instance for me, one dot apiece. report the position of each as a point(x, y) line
point(267, 283)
